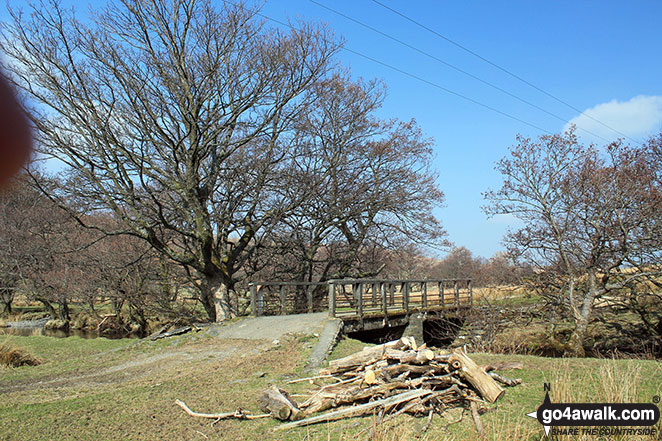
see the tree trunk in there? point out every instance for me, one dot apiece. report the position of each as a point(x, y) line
point(49, 308)
point(137, 315)
point(218, 298)
point(576, 342)
point(6, 308)
point(226, 302)
point(118, 303)
point(207, 297)
point(63, 311)
point(93, 310)
point(6, 298)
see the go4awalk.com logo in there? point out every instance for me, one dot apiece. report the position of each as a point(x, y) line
point(597, 418)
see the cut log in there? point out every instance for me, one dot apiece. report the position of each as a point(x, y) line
point(277, 402)
point(424, 356)
point(413, 357)
point(361, 409)
point(411, 342)
point(366, 356)
point(442, 358)
point(369, 377)
point(334, 398)
point(476, 376)
point(397, 369)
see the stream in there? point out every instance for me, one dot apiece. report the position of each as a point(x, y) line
point(36, 327)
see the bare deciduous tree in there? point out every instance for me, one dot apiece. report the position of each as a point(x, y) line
point(370, 184)
point(588, 214)
point(176, 117)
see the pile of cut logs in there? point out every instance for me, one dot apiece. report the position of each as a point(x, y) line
point(388, 380)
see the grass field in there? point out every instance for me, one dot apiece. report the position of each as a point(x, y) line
point(122, 390)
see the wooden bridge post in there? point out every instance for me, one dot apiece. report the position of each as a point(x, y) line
point(260, 300)
point(332, 298)
point(253, 289)
point(424, 295)
point(283, 297)
point(309, 296)
point(405, 296)
point(456, 288)
point(359, 304)
point(384, 294)
point(471, 292)
point(442, 301)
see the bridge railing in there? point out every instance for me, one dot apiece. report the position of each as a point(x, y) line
point(363, 297)
point(359, 297)
point(280, 298)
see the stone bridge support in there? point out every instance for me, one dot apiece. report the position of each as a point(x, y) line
point(415, 327)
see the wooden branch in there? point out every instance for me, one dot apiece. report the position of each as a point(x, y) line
point(476, 417)
point(361, 409)
point(503, 366)
point(505, 381)
point(239, 413)
point(427, 423)
point(317, 377)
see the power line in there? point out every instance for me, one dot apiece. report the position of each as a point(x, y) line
point(430, 83)
point(411, 75)
point(503, 69)
point(452, 66)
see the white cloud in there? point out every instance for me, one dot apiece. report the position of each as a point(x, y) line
point(637, 118)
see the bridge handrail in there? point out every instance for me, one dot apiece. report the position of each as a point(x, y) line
point(287, 283)
point(350, 281)
point(387, 299)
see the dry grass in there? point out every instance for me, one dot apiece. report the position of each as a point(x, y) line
point(612, 383)
point(493, 293)
point(15, 357)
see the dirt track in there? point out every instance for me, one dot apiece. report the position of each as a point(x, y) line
point(217, 342)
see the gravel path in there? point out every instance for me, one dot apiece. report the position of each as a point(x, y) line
point(271, 327)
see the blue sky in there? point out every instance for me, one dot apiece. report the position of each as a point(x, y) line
point(603, 58)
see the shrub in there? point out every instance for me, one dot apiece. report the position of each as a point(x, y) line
point(14, 357)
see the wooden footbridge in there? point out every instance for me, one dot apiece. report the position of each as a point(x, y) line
point(363, 304)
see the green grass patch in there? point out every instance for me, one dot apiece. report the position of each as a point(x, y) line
point(117, 390)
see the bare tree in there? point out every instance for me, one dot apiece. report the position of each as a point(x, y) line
point(176, 117)
point(38, 240)
point(369, 181)
point(16, 207)
point(459, 262)
point(588, 214)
